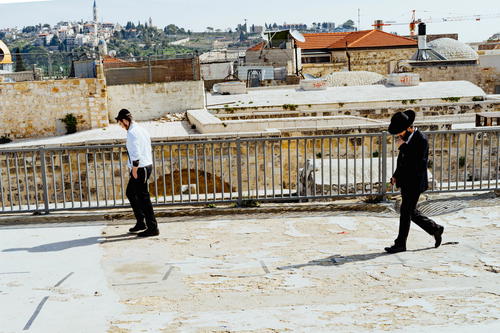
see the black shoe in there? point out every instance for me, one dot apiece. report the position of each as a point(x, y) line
point(137, 227)
point(149, 233)
point(437, 236)
point(395, 249)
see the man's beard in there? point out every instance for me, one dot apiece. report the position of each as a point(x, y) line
point(405, 136)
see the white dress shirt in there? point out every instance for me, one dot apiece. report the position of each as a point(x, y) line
point(139, 146)
point(411, 135)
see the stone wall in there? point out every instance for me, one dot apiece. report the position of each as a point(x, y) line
point(381, 61)
point(151, 101)
point(485, 77)
point(33, 109)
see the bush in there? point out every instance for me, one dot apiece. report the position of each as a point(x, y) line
point(5, 139)
point(70, 122)
point(250, 203)
point(291, 107)
point(461, 161)
point(451, 99)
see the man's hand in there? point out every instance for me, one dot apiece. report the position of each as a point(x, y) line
point(393, 181)
point(400, 141)
point(134, 172)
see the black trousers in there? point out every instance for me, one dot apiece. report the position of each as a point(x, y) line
point(409, 212)
point(138, 196)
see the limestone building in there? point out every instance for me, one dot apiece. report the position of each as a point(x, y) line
point(368, 50)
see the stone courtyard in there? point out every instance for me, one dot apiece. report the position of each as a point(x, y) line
point(291, 272)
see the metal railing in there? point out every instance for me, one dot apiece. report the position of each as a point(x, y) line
point(43, 65)
point(238, 170)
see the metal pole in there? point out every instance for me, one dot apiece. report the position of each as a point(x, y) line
point(150, 73)
point(384, 165)
point(44, 180)
point(49, 60)
point(240, 182)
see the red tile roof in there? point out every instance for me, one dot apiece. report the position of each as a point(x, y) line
point(111, 60)
point(257, 47)
point(356, 39)
point(322, 40)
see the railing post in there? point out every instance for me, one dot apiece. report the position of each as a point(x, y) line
point(44, 180)
point(49, 60)
point(150, 71)
point(384, 166)
point(240, 182)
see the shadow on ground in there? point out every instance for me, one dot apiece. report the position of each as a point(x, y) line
point(337, 259)
point(65, 245)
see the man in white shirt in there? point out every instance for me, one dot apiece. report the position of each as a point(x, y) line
point(140, 165)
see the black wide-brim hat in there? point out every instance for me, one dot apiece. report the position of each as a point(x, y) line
point(123, 114)
point(401, 121)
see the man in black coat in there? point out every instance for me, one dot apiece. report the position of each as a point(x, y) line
point(411, 177)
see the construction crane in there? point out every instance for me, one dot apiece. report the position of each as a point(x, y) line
point(379, 24)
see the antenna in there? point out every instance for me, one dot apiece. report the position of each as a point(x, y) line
point(359, 20)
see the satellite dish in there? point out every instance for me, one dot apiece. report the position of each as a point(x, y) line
point(297, 36)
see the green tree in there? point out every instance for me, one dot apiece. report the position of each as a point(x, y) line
point(29, 29)
point(349, 24)
point(171, 29)
point(19, 61)
point(55, 41)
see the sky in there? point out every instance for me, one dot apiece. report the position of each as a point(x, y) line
point(196, 15)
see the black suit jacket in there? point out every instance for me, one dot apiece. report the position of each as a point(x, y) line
point(411, 170)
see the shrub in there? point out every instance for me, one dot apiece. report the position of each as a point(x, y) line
point(5, 139)
point(70, 122)
point(451, 99)
point(291, 107)
point(250, 203)
point(461, 161)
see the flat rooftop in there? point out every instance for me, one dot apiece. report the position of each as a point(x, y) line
point(353, 94)
point(310, 271)
point(111, 134)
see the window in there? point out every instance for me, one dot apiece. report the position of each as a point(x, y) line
point(316, 60)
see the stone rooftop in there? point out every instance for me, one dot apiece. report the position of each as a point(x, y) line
point(308, 271)
point(352, 94)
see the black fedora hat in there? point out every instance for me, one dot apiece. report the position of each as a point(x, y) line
point(401, 121)
point(123, 114)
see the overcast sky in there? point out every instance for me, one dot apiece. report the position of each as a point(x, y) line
point(198, 14)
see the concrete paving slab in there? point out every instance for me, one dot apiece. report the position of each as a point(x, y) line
point(297, 272)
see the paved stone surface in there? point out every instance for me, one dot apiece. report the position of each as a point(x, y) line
point(318, 272)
